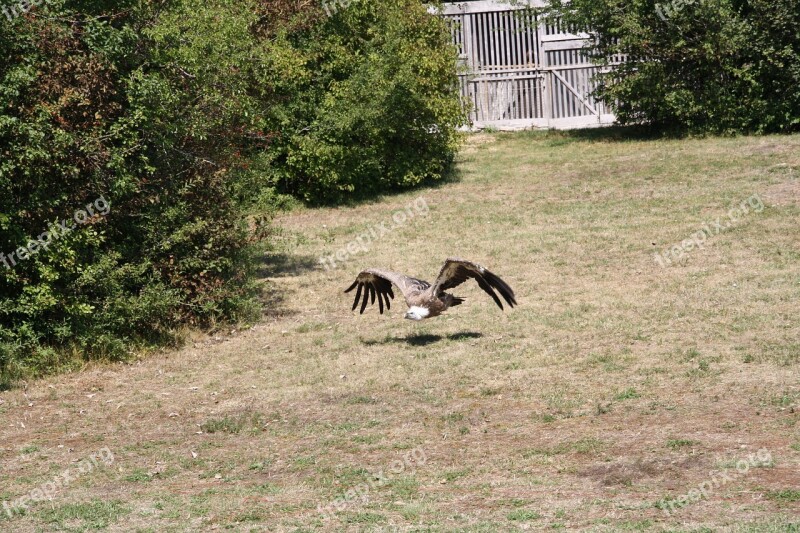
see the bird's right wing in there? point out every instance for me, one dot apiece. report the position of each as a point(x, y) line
point(374, 282)
point(456, 271)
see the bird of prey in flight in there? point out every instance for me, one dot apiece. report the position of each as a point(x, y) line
point(423, 299)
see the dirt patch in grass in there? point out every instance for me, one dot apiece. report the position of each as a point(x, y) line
point(784, 194)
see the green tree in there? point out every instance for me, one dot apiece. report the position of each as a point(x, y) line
point(702, 65)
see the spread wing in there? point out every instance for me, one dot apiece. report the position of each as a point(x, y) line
point(374, 282)
point(456, 271)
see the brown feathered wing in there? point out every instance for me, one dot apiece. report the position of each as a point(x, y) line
point(374, 283)
point(456, 271)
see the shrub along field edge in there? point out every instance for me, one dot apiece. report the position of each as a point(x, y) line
point(194, 122)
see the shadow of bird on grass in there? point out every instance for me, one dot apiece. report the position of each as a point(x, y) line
point(424, 339)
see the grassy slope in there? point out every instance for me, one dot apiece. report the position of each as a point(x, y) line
point(614, 385)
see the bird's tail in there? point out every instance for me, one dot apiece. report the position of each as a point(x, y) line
point(455, 300)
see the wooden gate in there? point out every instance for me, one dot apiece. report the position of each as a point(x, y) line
point(520, 72)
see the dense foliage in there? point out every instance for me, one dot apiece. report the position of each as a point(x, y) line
point(176, 127)
point(378, 103)
point(698, 65)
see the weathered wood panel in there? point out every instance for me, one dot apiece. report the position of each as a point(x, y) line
point(520, 72)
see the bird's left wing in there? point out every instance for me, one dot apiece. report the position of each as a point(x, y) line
point(456, 271)
point(374, 282)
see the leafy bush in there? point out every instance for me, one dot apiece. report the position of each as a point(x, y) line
point(370, 102)
point(90, 110)
point(702, 65)
point(190, 120)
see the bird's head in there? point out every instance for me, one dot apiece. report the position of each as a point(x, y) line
point(417, 313)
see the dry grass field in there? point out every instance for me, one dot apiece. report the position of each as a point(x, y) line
point(620, 395)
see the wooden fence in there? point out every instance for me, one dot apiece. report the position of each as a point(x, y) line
point(522, 72)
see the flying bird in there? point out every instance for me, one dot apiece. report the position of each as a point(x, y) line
point(423, 299)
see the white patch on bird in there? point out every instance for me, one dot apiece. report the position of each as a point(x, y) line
point(417, 313)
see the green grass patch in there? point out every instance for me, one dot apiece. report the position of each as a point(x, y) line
point(786, 495)
point(523, 515)
point(452, 418)
point(627, 394)
point(453, 475)
point(96, 514)
point(677, 444)
point(364, 518)
point(137, 476)
point(404, 487)
point(253, 422)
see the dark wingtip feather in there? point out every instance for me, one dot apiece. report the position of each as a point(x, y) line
point(358, 297)
point(487, 288)
point(351, 287)
point(366, 299)
point(502, 287)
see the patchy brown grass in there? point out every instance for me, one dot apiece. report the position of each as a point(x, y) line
point(615, 386)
